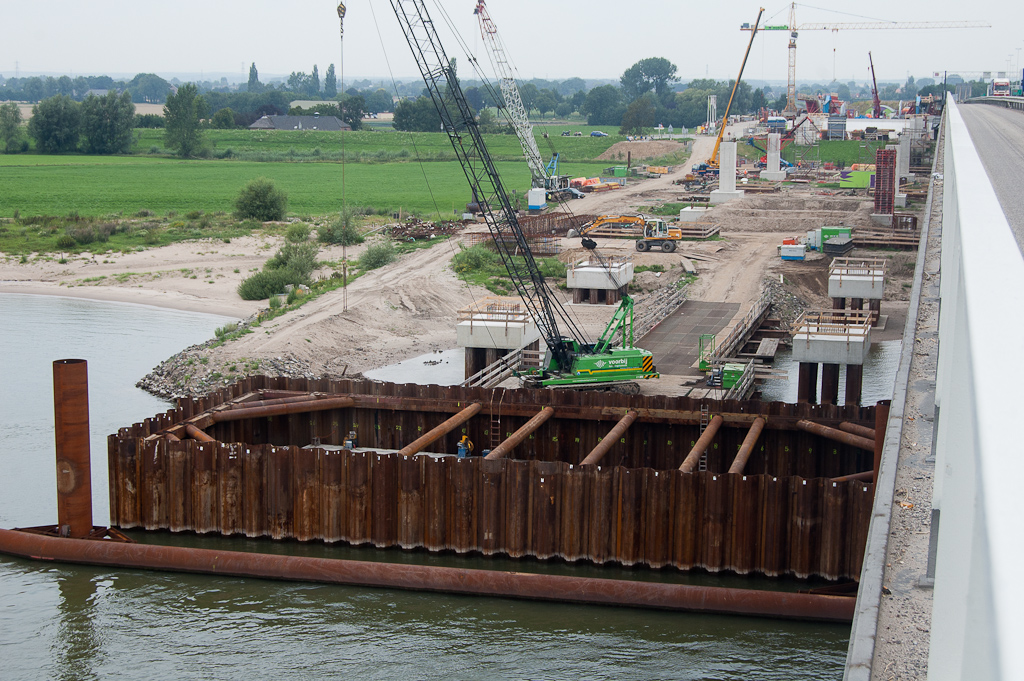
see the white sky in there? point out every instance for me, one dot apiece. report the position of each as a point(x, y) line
point(544, 38)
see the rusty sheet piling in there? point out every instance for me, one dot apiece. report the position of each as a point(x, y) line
point(620, 428)
point(881, 424)
point(440, 431)
point(513, 441)
point(680, 597)
point(690, 462)
point(837, 435)
point(71, 429)
point(740, 462)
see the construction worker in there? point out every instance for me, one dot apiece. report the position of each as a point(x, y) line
point(465, 447)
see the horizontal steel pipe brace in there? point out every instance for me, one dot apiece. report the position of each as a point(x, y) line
point(837, 435)
point(506, 447)
point(703, 442)
point(866, 476)
point(198, 434)
point(303, 407)
point(862, 431)
point(559, 588)
point(440, 431)
point(598, 452)
point(279, 400)
point(740, 462)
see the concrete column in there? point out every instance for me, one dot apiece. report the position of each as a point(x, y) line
point(727, 167)
point(773, 170)
point(807, 383)
point(829, 383)
point(875, 305)
point(854, 383)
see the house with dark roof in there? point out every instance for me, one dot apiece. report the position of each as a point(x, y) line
point(315, 122)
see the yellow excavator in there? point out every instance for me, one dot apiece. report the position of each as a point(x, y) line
point(655, 233)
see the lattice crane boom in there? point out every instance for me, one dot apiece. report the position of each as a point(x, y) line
point(517, 113)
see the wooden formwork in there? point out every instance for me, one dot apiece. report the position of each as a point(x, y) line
point(784, 516)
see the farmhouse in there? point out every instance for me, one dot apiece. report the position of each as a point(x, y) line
point(316, 122)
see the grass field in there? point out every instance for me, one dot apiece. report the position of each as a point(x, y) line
point(107, 186)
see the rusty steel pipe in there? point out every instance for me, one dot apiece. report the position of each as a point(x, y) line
point(559, 588)
point(866, 476)
point(306, 405)
point(881, 423)
point(703, 442)
point(278, 400)
point(862, 431)
point(598, 452)
point(836, 434)
point(197, 433)
point(71, 430)
point(740, 462)
point(505, 448)
point(440, 431)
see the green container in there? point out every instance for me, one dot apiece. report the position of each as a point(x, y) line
point(829, 232)
point(619, 171)
point(732, 372)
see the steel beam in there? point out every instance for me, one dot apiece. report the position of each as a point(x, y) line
point(598, 452)
point(506, 447)
point(506, 584)
point(690, 462)
point(837, 435)
point(440, 431)
point(747, 447)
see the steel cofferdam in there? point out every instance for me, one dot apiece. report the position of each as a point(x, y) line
point(532, 586)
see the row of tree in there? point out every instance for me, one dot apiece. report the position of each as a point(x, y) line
point(101, 125)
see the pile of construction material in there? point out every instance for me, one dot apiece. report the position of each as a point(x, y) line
point(414, 229)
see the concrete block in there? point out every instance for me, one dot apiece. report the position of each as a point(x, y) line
point(854, 285)
point(900, 201)
point(773, 175)
point(721, 196)
point(828, 349)
point(495, 334)
point(596, 276)
point(692, 213)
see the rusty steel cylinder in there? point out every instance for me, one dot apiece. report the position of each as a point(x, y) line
point(71, 428)
point(598, 452)
point(856, 429)
point(558, 588)
point(836, 435)
point(301, 407)
point(740, 462)
point(506, 447)
point(689, 464)
point(198, 434)
point(440, 431)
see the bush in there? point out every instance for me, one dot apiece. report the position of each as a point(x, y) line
point(262, 285)
point(194, 214)
point(298, 258)
point(474, 259)
point(226, 329)
point(297, 233)
point(341, 231)
point(378, 254)
point(65, 242)
point(261, 200)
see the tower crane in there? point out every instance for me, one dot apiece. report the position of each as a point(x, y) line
point(542, 176)
point(570, 362)
point(794, 29)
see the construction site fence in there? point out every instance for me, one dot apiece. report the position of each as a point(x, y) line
point(540, 509)
point(737, 336)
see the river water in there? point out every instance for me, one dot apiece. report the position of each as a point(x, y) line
point(72, 622)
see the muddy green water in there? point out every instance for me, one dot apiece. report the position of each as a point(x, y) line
point(70, 622)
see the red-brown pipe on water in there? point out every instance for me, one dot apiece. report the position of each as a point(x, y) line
point(71, 427)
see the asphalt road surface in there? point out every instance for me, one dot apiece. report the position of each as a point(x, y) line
point(998, 136)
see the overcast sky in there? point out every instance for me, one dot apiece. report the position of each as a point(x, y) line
point(544, 38)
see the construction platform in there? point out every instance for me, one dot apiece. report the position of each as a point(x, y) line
point(674, 341)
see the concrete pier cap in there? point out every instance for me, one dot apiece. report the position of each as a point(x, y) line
point(832, 336)
point(591, 273)
point(857, 278)
point(496, 322)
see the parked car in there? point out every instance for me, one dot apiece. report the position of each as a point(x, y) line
point(598, 133)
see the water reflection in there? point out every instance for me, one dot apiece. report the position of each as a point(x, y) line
point(77, 644)
point(879, 375)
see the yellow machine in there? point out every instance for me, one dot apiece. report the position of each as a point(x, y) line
point(658, 235)
point(655, 234)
